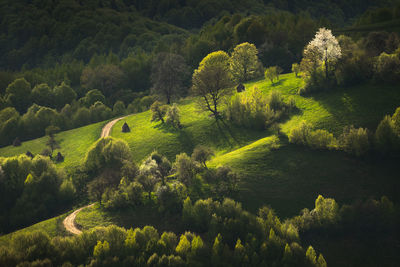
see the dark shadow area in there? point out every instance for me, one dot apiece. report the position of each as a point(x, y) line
point(363, 105)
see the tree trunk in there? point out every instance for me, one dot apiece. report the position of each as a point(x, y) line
point(326, 64)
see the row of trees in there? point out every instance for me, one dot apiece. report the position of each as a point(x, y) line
point(230, 236)
point(356, 141)
point(328, 61)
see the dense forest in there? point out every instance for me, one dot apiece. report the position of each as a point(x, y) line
point(71, 63)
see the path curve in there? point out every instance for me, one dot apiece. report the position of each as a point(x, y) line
point(69, 221)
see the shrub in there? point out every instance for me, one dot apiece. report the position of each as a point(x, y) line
point(299, 134)
point(296, 68)
point(252, 110)
point(185, 168)
point(173, 116)
point(201, 154)
point(354, 141)
point(385, 135)
point(158, 111)
point(387, 68)
point(320, 139)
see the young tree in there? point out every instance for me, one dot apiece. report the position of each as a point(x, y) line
point(158, 111)
point(169, 72)
point(212, 81)
point(296, 68)
point(244, 62)
point(270, 73)
point(201, 154)
point(327, 46)
point(173, 116)
point(185, 168)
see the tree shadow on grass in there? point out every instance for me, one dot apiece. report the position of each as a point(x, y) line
point(278, 83)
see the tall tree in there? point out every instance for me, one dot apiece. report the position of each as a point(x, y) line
point(18, 93)
point(244, 61)
point(212, 81)
point(169, 72)
point(327, 46)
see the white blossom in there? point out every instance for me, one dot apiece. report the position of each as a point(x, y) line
point(327, 45)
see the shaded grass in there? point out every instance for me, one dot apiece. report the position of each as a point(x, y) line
point(73, 145)
point(53, 227)
point(290, 178)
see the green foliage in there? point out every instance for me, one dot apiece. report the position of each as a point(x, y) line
point(387, 68)
point(321, 139)
point(63, 94)
point(244, 62)
point(169, 73)
point(158, 111)
point(253, 110)
point(299, 135)
point(296, 68)
point(212, 81)
point(119, 108)
point(173, 116)
point(354, 141)
point(106, 153)
point(18, 93)
point(202, 154)
point(386, 137)
point(31, 190)
point(273, 73)
point(185, 169)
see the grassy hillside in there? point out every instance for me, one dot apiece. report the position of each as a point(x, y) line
point(198, 128)
point(73, 144)
point(289, 177)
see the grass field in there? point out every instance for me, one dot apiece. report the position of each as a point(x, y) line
point(128, 218)
point(73, 144)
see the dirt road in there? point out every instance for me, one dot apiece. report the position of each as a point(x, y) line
point(107, 128)
point(69, 221)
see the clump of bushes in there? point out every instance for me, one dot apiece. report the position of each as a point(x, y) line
point(252, 109)
point(354, 141)
point(318, 139)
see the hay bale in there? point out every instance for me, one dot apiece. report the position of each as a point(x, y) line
point(125, 128)
point(240, 88)
point(29, 154)
point(59, 157)
point(17, 142)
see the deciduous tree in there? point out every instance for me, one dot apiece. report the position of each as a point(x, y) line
point(168, 75)
point(244, 62)
point(212, 81)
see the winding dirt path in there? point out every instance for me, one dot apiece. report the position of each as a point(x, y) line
point(69, 221)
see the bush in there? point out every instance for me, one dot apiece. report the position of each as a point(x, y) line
point(385, 135)
point(354, 141)
point(387, 68)
point(252, 110)
point(299, 135)
point(320, 139)
point(173, 116)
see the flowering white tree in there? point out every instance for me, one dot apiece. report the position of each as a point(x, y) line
point(326, 46)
